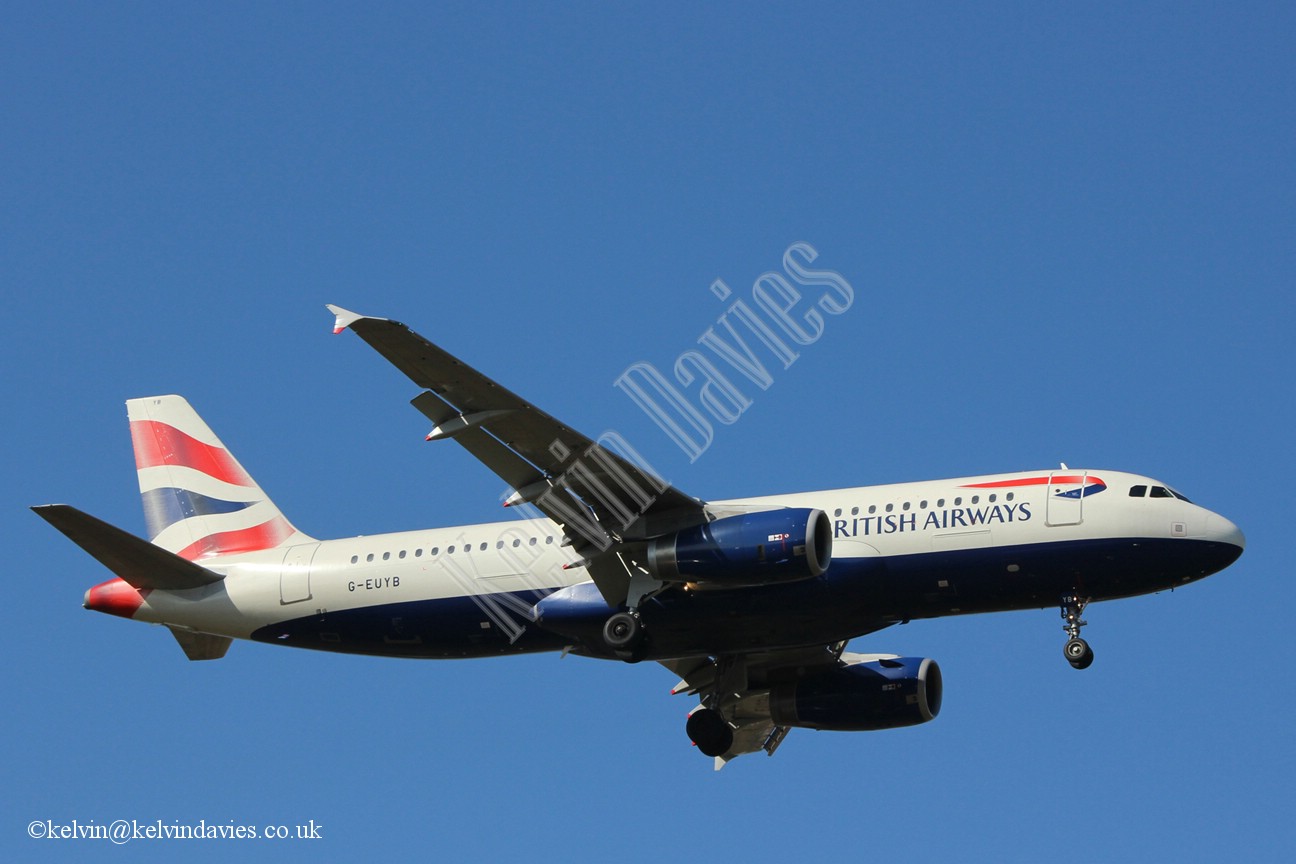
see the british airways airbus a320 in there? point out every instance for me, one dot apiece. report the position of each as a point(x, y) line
point(750, 602)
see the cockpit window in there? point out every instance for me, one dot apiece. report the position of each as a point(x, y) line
point(1141, 490)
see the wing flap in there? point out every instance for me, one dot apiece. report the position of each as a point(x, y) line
point(754, 731)
point(507, 464)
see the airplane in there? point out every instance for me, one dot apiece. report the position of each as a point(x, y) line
point(750, 602)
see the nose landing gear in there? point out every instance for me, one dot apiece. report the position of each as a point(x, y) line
point(1077, 651)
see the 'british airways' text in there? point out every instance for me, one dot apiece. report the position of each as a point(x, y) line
point(940, 520)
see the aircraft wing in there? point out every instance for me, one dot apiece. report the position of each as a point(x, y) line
point(604, 501)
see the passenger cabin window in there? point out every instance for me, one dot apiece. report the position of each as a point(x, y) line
point(1138, 491)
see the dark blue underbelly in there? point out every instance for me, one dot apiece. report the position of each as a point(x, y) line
point(855, 596)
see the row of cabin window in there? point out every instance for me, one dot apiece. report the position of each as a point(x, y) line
point(922, 505)
point(435, 550)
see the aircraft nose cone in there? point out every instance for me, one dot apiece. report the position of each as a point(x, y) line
point(1223, 531)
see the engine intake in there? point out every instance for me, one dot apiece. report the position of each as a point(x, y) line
point(751, 549)
point(886, 693)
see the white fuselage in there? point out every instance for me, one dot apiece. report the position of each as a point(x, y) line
point(502, 568)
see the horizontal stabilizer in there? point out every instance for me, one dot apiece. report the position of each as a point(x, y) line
point(138, 562)
point(201, 646)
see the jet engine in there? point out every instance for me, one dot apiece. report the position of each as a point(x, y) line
point(868, 694)
point(750, 549)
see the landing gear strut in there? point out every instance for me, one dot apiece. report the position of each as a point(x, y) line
point(624, 634)
point(1077, 651)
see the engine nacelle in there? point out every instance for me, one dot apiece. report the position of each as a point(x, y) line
point(750, 549)
point(872, 694)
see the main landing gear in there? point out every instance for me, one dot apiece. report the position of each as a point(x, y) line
point(624, 634)
point(708, 729)
point(1077, 651)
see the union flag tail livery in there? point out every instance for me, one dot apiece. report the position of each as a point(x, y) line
point(198, 500)
point(749, 602)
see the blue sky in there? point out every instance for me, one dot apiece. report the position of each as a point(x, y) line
point(1070, 234)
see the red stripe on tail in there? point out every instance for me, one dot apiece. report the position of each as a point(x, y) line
point(158, 444)
point(267, 535)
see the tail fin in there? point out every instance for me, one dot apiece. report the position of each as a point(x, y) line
point(198, 500)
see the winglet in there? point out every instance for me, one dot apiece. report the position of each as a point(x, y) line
point(345, 318)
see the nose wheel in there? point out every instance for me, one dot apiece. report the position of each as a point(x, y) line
point(1077, 651)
